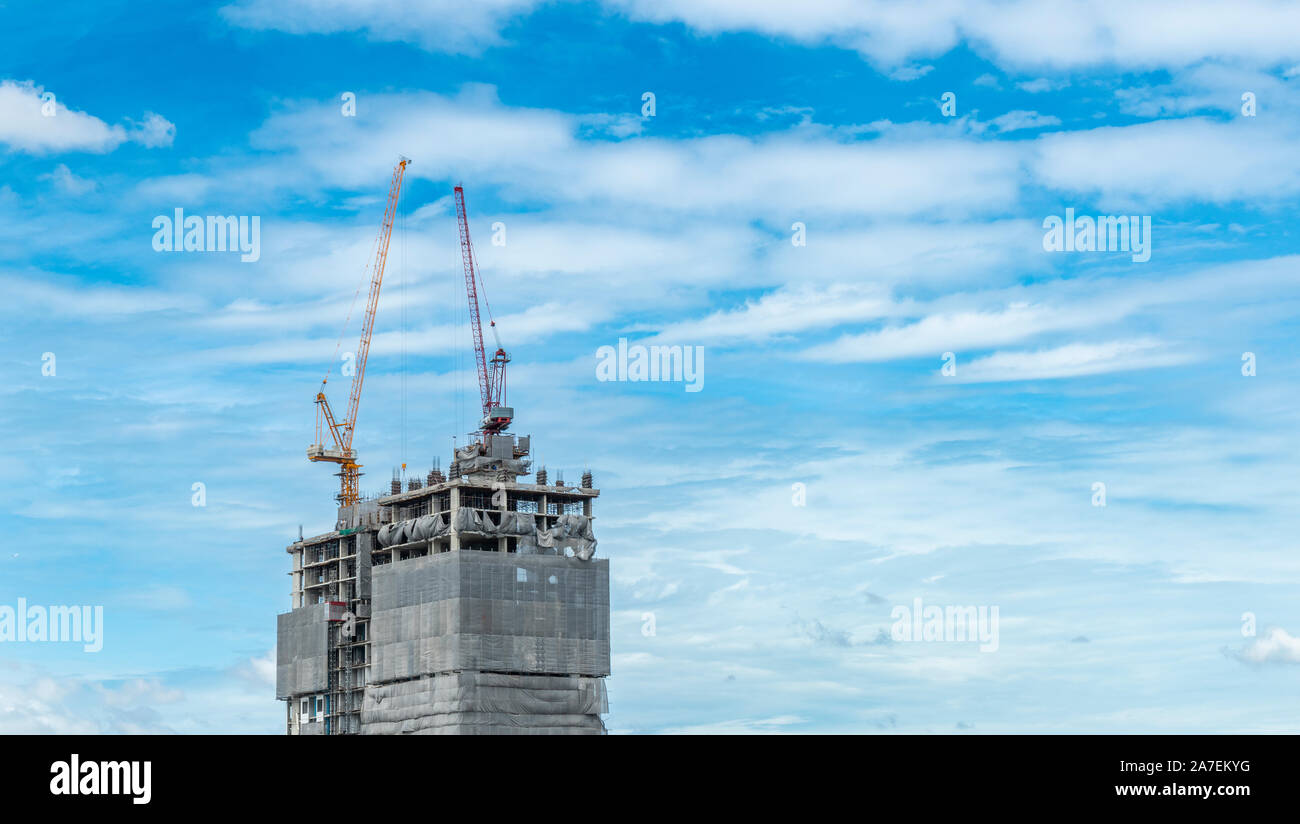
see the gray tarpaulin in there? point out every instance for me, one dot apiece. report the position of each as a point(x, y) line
point(468, 466)
point(416, 529)
point(486, 703)
point(493, 522)
point(474, 458)
point(571, 531)
point(301, 651)
point(471, 610)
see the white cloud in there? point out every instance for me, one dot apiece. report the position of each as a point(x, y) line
point(1057, 34)
point(951, 331)
point(181, 188)
point(960, 322)
point(909, 73)
point(785, 311)
point(1071, 360)
point(260, 670)
point(1020, 33)
point(154, 131)
point(435, 25)
point(1169, 161)
point(147, 692)
point(65, 181)
point(161, 598)
point(97, 301)
point(1020, 119)
point(533, 152)
point(1042, 84)
point(1209, 87)
point(807, 172)
point(1278, 647)
point(25, 125)
point(239, 698)
point(742, 726)
point(531, 325)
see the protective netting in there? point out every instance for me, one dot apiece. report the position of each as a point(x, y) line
point(486, 703)
point(302, 651)
point(365, 545)
point(361, 514)
point(472, 610)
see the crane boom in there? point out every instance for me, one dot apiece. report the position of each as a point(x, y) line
point(376, 280)
point(342, 431)
point(491, 381)
point(471, 290)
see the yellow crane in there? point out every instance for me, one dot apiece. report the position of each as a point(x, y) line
point(342, 431)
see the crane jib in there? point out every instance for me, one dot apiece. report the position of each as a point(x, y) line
point(491, 375)
point(342, 431)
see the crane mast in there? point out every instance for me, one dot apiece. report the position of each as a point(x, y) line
point(342, 431)
point(491, 373)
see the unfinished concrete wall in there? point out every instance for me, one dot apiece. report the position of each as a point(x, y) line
point(489, 611)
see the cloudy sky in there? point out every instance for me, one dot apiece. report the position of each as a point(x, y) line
point(761, 531)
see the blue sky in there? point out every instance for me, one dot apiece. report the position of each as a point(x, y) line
point(823, 362)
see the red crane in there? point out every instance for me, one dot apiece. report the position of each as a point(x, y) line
point(342, 431)
point(491, 374)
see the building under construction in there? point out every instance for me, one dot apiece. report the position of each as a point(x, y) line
point(465, 603)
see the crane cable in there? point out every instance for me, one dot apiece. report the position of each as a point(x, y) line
point(482, 288)
point(365, 277)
